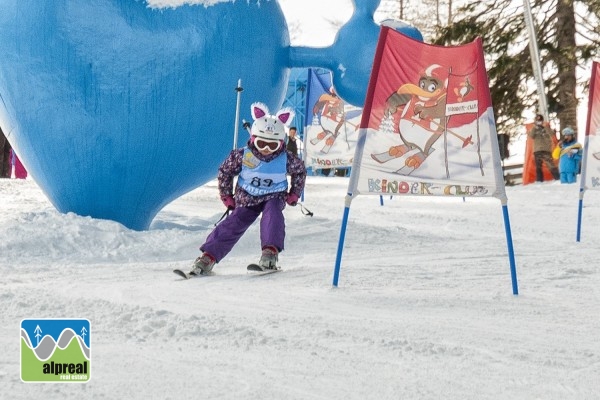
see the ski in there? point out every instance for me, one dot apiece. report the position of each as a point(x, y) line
point(188, 275)
point(382, 157)
point(181, 273)
point(255, 269)
point(406, 170)
point(326, 148)
point(316, 140)
point(258, 270)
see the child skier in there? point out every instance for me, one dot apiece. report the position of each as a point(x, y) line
point(262, 187)
point(570, 155)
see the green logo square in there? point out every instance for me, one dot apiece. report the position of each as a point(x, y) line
point(55, 350)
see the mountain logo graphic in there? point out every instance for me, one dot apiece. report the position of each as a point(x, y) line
point(55, 350)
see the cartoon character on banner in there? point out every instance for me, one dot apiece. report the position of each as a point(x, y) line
point(329, 113)
point(421, 109)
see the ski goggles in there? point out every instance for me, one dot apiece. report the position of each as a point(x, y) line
point(267, 144)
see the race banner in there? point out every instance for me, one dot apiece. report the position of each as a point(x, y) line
point(428, 124)
point(427, 129)
point(590, 169)
point(331, 129)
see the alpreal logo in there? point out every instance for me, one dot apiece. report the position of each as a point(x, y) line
point(55, 350)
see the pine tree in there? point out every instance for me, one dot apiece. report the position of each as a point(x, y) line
point(425, 15)
point(501, 25)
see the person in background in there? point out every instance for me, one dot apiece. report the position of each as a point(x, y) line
point(291, 142)
point(570, 156)
point(20, 171)
point(543, 144)
point(5, 164)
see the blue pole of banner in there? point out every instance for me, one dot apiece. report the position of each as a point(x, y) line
point(579, 214)
point(338, 259)
point(380, 200)
point(511, 252)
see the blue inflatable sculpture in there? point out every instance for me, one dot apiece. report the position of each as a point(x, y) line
point(116, 108)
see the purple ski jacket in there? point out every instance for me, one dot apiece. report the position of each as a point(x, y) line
point(232, 166)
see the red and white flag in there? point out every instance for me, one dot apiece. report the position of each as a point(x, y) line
point(428, 124)
point(590, 171)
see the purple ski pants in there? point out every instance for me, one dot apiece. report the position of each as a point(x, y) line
point(272, 228)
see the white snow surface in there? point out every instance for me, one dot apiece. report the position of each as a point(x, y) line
point(424, 307)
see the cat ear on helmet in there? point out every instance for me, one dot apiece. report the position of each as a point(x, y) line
point(259, 110)
point(285, 115)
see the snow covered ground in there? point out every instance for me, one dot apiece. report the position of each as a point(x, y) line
point(424, 307)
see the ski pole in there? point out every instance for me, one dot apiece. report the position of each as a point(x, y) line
point(225, 214)
point(239, 90)
point(466, 140)
point(305, 210)
point(246, 125)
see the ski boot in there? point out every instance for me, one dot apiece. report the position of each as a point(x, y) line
point(268, 259)
point(203, 265)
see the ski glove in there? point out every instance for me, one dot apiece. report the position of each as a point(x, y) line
point(291, 199)
point(228, 201)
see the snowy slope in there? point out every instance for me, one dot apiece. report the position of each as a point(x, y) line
point(424, 307)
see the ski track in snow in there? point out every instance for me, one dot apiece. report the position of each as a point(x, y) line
point(424, 307)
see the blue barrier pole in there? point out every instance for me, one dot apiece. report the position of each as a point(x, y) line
point(579, 215)
point(338, 259)
point(511, 252)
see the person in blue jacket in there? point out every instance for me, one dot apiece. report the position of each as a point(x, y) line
point(570, 156)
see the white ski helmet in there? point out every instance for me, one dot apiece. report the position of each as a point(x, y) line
point(271, 127)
